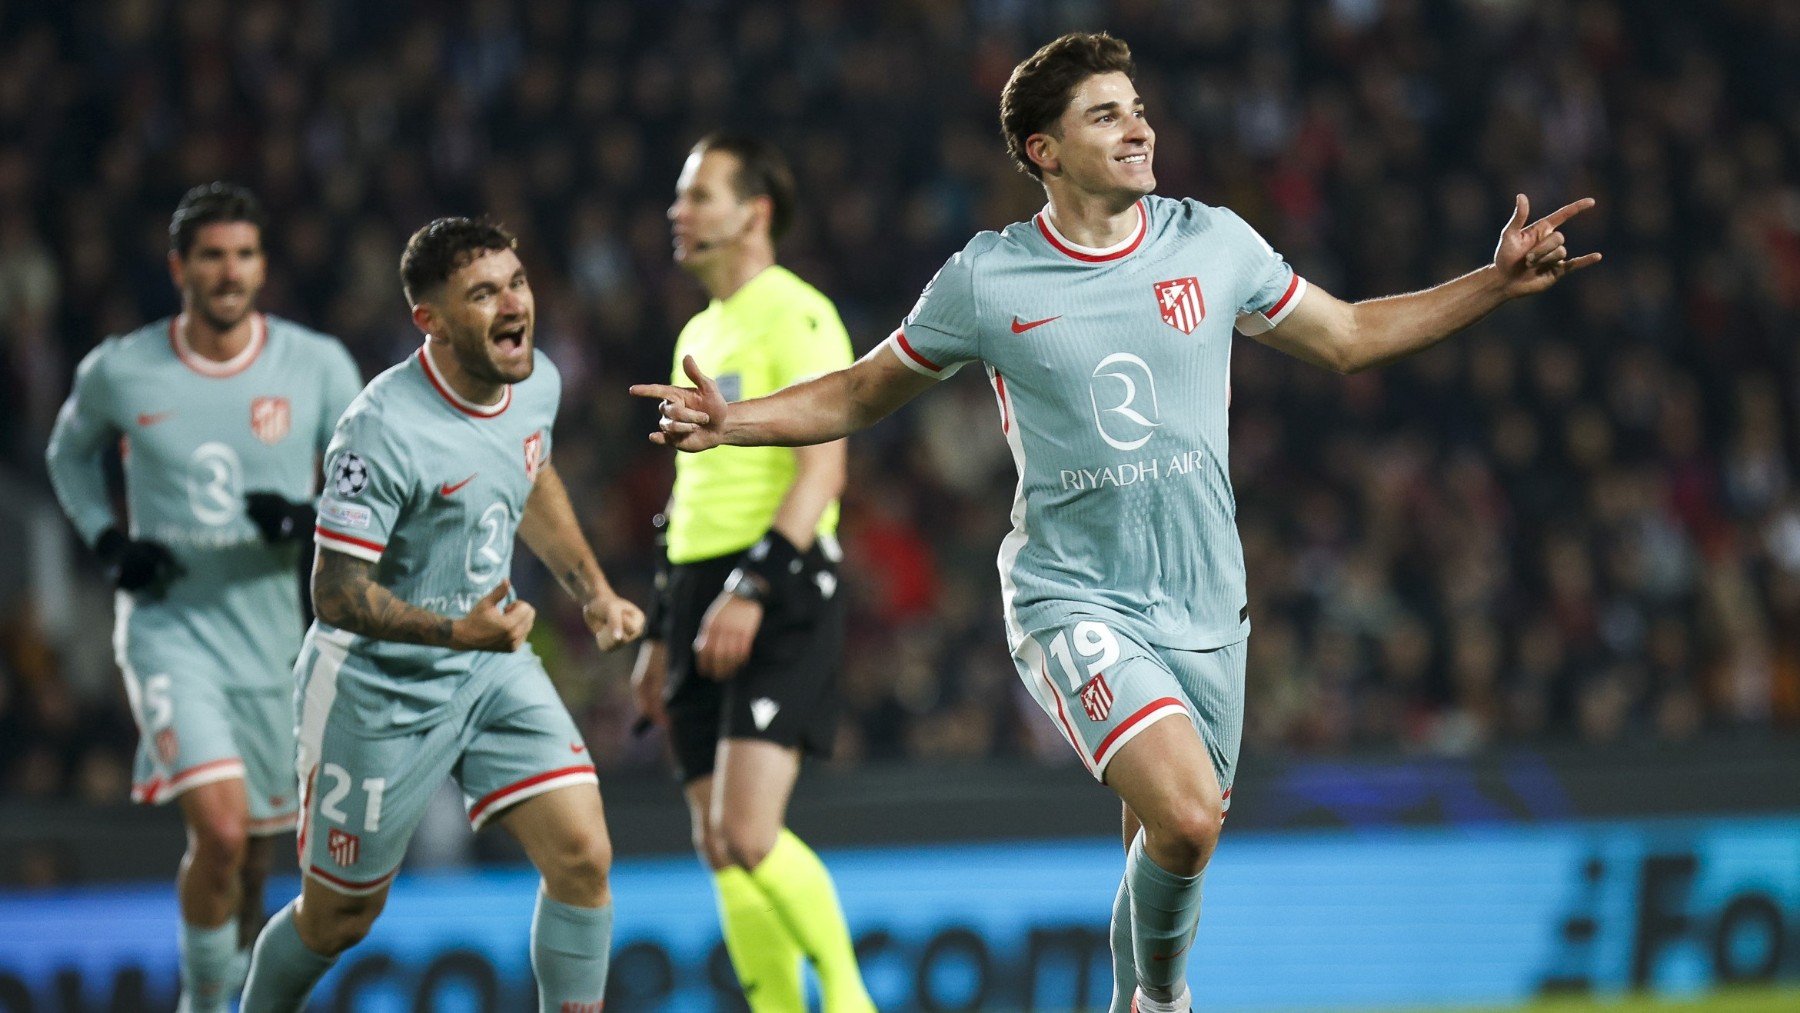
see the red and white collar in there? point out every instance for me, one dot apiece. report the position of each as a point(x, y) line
point(457, 401)
point(1091, 254)
point(259, 336)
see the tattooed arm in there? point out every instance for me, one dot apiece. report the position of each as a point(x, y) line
point(550, 529)
point(346, 596)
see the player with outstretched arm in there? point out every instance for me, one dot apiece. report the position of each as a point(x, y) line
point(1105, 326)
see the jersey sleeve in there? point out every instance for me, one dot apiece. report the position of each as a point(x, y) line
point(943, 330)
point(342, 383)
point(810, 341)
point(367, 485)
point(74, 456)
point(1272, 288)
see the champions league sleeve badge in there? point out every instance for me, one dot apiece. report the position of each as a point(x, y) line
point(349, 476)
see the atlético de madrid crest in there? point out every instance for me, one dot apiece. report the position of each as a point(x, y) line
point(271, 418)
point(1181, 304)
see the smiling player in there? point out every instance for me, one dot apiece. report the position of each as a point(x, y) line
point(417, 666)
point(1105, 327)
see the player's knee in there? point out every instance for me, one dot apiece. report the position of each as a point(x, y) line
point(708, 846)
point(580, 864)
point(746, 842)
point(1193, 832)
point(219, 842)
point(330, 929)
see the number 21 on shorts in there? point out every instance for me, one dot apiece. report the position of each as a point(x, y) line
point(336, 785)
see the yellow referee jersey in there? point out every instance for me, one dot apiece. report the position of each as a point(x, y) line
point(775, 331)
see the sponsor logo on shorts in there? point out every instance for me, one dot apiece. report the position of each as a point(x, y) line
point(344, 515)
point(345, 847)
point(1097, 698)
point(167, 745)
point(763, 711)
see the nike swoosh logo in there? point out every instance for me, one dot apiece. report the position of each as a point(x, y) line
point(152, 418)
point(577, 747)
point(450, 490)
point(1171, 956)
point(1021, 326)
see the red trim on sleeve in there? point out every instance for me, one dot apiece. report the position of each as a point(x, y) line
point(1293, 286)
point(906, 346)
point(321, 531)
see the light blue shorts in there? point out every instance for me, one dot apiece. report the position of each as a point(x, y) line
point(192, 730)
point(505, 737)
point(1102, 688)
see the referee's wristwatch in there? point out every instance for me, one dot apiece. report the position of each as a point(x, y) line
point(748, 586)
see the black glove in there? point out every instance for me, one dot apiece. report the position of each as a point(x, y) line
point(134, 565)
point(279, 519)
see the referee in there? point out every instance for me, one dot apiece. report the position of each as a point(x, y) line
point(742, 663)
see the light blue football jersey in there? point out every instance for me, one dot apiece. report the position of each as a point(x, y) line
point(1112, 370)
point(430, 488)
point(196, 435)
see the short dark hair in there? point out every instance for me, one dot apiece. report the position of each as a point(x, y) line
point(445, 246)
point(1040, 88)
point(762, 172)
point(210, 203)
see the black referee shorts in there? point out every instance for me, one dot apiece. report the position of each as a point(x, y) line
point(785, 693)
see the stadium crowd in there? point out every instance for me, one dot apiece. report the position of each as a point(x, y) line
point(1580, 521)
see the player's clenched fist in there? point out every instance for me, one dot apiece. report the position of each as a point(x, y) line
point(614, 621)
point(489, 627)
point(693, 418)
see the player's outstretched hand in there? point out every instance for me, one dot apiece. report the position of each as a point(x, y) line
point(488, 627)
point(614, 621)
point(693, 418)
point(1531, 258)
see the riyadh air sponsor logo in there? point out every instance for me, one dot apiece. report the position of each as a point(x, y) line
point(1123, 393)
point(1151, 469)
